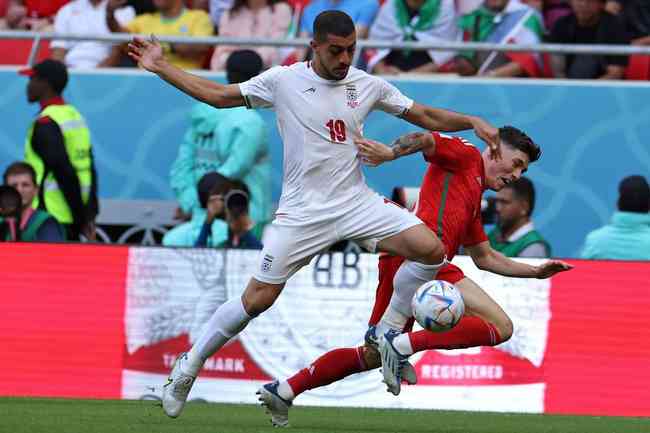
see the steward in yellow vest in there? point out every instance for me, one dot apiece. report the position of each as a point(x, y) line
point(58, 148)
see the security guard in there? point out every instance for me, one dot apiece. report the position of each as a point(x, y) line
point(58, 147)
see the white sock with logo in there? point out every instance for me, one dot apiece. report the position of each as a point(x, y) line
point(408, 278)
point(226, 322)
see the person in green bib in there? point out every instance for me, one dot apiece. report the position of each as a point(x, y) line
point(501, 22)
point(431, 21)
point(36, 225)
point(515, 234)
point(59, 149)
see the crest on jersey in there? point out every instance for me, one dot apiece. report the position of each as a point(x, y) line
point(351, 95)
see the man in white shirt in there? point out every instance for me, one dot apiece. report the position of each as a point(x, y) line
point(321, 107)
point(85, 17)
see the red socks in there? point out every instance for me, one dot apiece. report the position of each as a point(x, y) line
point(471, 331)
point(333, 366)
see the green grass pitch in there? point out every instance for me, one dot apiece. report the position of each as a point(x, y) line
point(18, 415)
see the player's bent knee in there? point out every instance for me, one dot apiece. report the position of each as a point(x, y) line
point(433, 253)
point(505, 328)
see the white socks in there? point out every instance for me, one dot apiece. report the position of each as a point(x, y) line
point(285, 391)
point(408, 278)
point(402, 343)
point(226, 322)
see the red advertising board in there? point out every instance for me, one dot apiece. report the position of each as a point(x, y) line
point(94, 322)
point(61, 320)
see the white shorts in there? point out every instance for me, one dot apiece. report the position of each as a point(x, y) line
point(289, 245)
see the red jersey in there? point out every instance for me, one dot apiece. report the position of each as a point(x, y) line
point(450, 196)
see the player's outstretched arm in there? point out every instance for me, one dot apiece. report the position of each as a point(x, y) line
point(437, 119)
point(149, 55)
point(488, 259)
point(374, 153)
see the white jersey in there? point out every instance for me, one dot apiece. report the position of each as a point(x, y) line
point(318, 121)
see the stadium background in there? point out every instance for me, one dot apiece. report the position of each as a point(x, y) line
point(68, 311)
point(593, 134)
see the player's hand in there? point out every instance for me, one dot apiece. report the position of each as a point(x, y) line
point(215, 207)
point(490, 135)
point(373, 153)
point(147, 52)
point(552, 267)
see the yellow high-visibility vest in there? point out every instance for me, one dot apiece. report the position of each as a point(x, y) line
point(76, 137)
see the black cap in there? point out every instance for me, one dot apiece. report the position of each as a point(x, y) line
point(634, 195)
point(242, 65)
point(52, 71)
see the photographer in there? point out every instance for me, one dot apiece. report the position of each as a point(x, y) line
point(229, 201)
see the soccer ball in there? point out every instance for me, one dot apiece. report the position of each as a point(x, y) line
point(438, 306)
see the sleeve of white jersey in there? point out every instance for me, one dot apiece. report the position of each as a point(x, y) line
point(391, 100)
point(259, 91)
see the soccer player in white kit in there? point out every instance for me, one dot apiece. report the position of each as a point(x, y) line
point(321, 106)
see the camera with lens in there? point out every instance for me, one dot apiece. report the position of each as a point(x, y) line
point(236, 200)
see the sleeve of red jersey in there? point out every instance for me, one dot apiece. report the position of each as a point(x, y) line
point(452, 153)
point(475, 233)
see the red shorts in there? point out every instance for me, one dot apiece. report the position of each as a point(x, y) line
point(388, 266)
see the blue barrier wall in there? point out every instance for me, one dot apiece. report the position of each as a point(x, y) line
point(592, 135)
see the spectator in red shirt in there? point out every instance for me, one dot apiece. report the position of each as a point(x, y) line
point(32, 14)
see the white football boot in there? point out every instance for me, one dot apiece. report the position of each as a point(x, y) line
point(392, 362)
point(275, 405)
point(177, 388)
point(408, 371)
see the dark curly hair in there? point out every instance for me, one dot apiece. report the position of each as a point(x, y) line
point(517, 139)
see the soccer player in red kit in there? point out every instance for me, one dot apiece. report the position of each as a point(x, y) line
point(449, 204)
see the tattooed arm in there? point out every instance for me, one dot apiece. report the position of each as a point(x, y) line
point(374, 153)
point(437, 119)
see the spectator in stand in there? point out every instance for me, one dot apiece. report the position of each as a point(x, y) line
point(268, 19)
point(34, 15)
point(362, 12)
point(85, 17)
point(589, 24)
point(142, 6)
point(500, 22)
point(35, 224)
point(515, 234)
point(413, 20)
point(551, 10)
point(10, 209)
point(171, 19)
point(636, 15)
point(4, 4)
point(204, 5)
point(233, 143)
point(217, 9)
point(627, 237)
point(229, 201)
point(58, 147)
